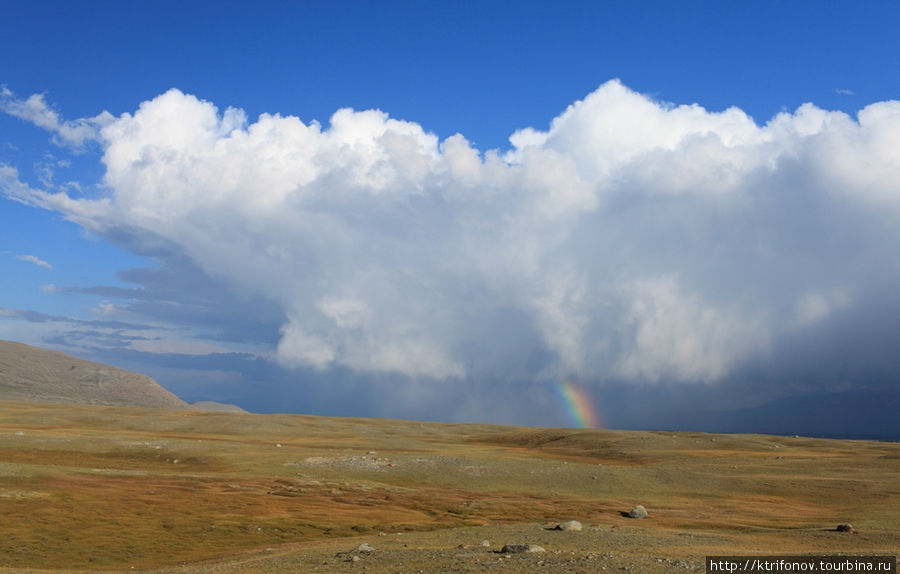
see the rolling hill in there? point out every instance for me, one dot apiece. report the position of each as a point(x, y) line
point(33, 374)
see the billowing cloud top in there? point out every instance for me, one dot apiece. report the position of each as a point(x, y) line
point(632, 240)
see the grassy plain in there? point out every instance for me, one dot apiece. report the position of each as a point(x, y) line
point(115, 488)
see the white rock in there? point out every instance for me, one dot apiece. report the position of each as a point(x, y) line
point(569, 525)
point(638, 512)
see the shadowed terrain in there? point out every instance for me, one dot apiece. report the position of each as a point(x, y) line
point(93, 487)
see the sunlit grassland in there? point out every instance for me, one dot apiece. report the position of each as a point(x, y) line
point(112, 487)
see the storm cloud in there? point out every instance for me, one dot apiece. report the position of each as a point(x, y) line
point(630, 241)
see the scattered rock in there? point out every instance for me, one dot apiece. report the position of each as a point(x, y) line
point(521, 549)
point(846, 528)
point(573, 525)
point(638, 512)
point(486, 543)
point(356, 554)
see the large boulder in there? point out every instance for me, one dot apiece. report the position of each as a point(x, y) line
point(573, 525)
point(637, 512)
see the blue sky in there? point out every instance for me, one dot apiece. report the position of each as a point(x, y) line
point(699, 211)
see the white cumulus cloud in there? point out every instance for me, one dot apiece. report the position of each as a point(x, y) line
point(631, 239)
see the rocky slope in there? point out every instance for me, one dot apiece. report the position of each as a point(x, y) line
point(33, 374)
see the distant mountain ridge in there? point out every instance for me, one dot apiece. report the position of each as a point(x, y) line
point(33, 374)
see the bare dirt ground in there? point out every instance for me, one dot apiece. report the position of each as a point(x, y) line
point(123, 489)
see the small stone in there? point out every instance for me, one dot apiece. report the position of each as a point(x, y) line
point(355, 558)
point(365, 548)
point(638, 512)
point(846, 528)
point(486, 543)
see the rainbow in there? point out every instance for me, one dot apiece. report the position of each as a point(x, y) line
point(578, 405)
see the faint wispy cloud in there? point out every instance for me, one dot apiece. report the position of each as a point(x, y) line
point(38, 317)
point(34, 109)
point(91, 335)
point(844, 92)
point(105, 308)
point(34, 259)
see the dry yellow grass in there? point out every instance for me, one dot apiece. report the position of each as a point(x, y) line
point(96, 488)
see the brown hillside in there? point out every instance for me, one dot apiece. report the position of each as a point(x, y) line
point(32, 374)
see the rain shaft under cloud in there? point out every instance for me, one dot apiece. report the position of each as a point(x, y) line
point(632, 240)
